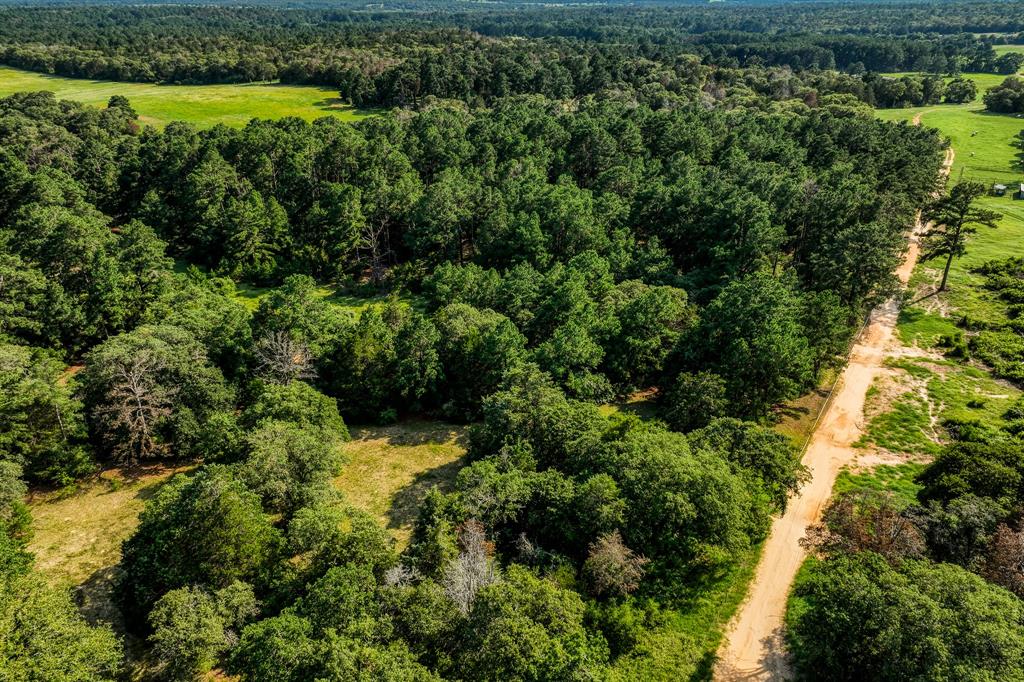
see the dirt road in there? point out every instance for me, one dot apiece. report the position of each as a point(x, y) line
point(754, 648)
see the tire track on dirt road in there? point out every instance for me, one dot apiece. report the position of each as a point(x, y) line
point(754, 648)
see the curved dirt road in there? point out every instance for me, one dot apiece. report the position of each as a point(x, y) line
point(754, 649)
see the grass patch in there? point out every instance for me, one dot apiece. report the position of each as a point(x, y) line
point(390, 469)
point(905, 427)
point(202, 105)
point(250, 296)
point(897, 479)
point(920, 327)
point(796, 418)
point(922, 395)
point(77, 535)
point(987, 151)
point(643, 404)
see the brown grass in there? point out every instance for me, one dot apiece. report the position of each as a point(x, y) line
point(391, 468)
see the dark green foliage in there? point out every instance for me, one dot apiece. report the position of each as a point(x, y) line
point(691, 401)
point(855, 618)
point(640, 218)
point(477, 348)
point(1007, 97)
point(751, 335)
point(992, 470)
point(756, 451)
point(961, 91)
point(387, 361)
point(206, 529)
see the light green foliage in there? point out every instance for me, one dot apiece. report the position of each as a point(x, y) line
point(43, 637)
point(331, 534)
point(202, 105)
point(300, 404)
point(41, 423)
point(528, 628)
point(188, 633)
point(289, 466)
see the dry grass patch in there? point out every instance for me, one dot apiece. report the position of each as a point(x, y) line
point(76, 535)
point(390, 469)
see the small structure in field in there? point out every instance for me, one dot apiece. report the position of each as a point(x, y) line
point(998, 190)
point(1020, 192)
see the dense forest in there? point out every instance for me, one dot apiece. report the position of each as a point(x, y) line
point(398, 58)
point(559, 209)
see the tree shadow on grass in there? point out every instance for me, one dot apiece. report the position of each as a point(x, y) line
point(97, 598)
point(792, 411)
point(406, 502)
point(97, 601)
point(413, 432)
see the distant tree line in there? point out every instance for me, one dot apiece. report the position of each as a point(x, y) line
point(403, 58)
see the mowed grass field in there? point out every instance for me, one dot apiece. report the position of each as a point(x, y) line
point(202, 105)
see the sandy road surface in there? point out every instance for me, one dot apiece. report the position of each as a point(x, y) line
point(754, 649)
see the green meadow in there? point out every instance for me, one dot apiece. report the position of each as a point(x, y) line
point(987, 148)
point(201, 105)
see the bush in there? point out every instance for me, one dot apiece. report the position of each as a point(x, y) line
point(205, 529)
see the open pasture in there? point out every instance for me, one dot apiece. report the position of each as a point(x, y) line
point(202, 105)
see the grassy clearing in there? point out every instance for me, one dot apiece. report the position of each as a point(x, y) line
point(201, 105)
point(907, 406)
point(250, 296)
point(897, 479)
point(391, 468)
point(78, 535)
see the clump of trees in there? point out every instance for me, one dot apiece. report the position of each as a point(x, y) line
point(1007, 97)
point(899, 590)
